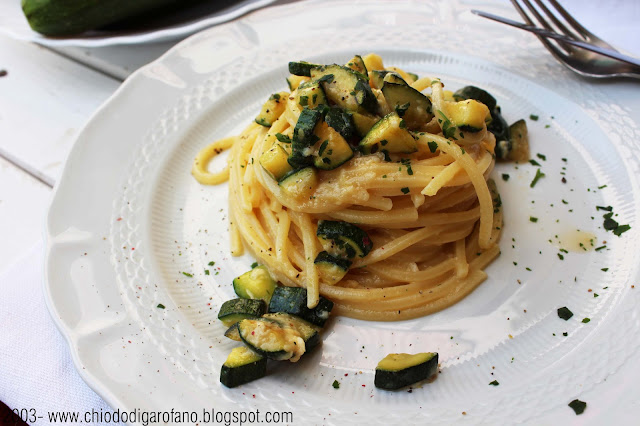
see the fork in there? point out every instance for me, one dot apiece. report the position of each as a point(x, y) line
point(579, 60)
point(606, 62)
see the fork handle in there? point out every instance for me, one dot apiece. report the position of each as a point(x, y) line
point(551, 34)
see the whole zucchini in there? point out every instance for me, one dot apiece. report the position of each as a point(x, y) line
point(67, 17)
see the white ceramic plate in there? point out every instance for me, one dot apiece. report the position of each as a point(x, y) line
point(160, 27)
point(127, 220)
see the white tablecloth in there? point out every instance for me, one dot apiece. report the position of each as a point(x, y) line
point(36, 369)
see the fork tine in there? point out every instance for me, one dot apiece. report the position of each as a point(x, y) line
point(585, 33)
point(563, 29)
point(548, 44)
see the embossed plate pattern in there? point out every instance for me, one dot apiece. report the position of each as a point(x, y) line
point(127, 220)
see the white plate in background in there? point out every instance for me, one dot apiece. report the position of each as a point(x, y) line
point(160, 27)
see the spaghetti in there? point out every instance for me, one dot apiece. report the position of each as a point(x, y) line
point(427, 204)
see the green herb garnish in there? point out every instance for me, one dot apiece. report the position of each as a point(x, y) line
point(405, 190)
point(533, 117)
point(160, 306)
point(336, 384)
point(494, 383)
point(433, 146)
point(536, 178)
point(578, 406)
point(564, 313)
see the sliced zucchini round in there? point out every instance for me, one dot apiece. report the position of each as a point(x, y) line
point(343, 239)
point(272, 109)
point(473, 92)
point(255, 284)
point(300, 183)
point(270, 339)
point(293, 300)
point(310, 333)
point(233, 333)
point(242, 366)
point(396, 371)
point(390, 134)
point(417, 112)
point(331, 268)
point(235, 310)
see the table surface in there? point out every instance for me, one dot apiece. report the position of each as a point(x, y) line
point(48, 95)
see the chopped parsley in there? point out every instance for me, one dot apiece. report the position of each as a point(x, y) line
point(211, 263)
point(283, 138)
point(621, 229)
point(433, 146)
point(542, 157)
point(160, 306)
point(505, 177)
point(561, 257)
point(607, 208)
point(564, 313)
point(186, 274)
point(578, 406)
point(336, 384)
point(405, 190)
point(206, 272)
point(535, 163)
point(537, 177)
point(254, 264)
point(565, 334)
point(494, 383)
point(585, 320)
point(533, 117)
point(604, 269)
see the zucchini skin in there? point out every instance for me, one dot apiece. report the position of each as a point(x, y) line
point(235, 310)
point(67, 17)
point(392, 380)
point(293, 300)
point(232, 376)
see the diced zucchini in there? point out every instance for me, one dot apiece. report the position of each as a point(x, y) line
point(394, 78)
point(332, 149)
point(364, 122)
point(255, 284)
point(376, 78)
point(310, 333)
point(311, 95)
point(519, 142)
point(235, 310)
point(373, 62)
point(272, 109)
point(357, 64)
point(396, 371)
point(301, 68)
point(300, 183)
point(342, 121)
point(233, 333)
point(293, 300)
point(242, 366)
point(270, 339)
point(304, 138)
point(331, 268)
point(343, 239)
point(275, 161)
point(500, 129)
point(390, 134)
point(480, 95)
point(295, 80)
point(346, 87)
point(417, 107)
point(468, 115)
